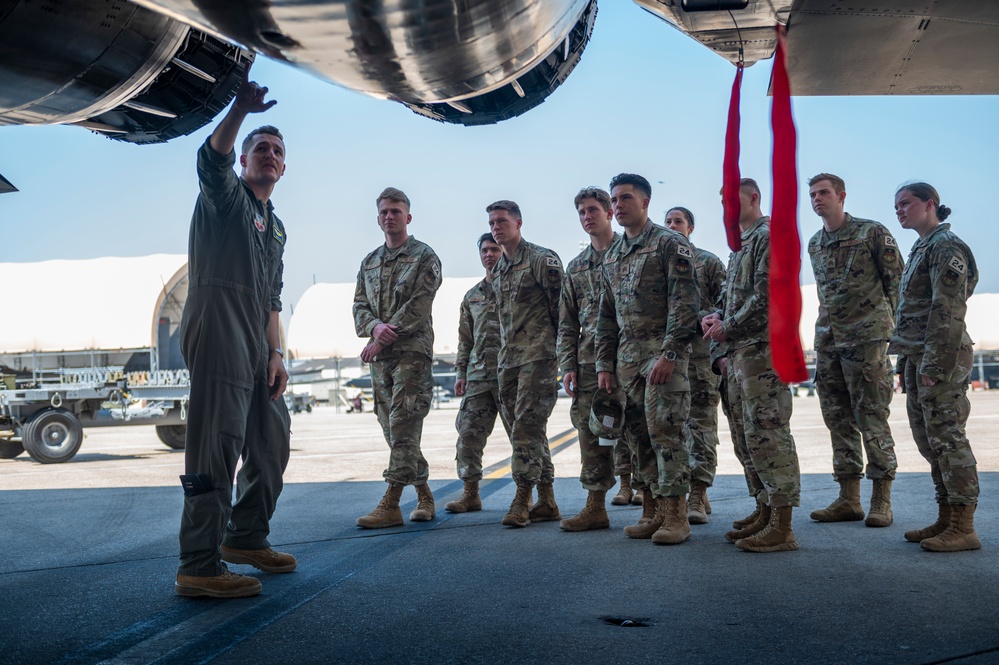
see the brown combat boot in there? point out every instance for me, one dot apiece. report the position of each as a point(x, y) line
point(265, 559)
point(675, 528)
point(592, 516)
point(935, 529)
point(545, 510)
point(707, 504)
point(750, 518)
point(762, 520)
point(226, 585)
point(697, 511)
point(880, 513)
point(960, 535)
point(778, 536)
point(425, 509)
point(846, 507)
point(387, 512)
point(518, 515)
point(639, 498)
point(469, 500)
point(653, 516)
point(625, 493)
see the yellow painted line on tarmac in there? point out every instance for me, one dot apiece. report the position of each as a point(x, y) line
point(552, 444)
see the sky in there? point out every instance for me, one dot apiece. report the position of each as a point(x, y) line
point(644, 99)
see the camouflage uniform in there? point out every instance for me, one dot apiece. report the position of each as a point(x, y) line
point(760, 403)
point(857, 269)
point(702, 424)
point(397, 286)
point(648, 307)
point(577, 353)
point(478, 346)
point(931, 339)
point(527, 292)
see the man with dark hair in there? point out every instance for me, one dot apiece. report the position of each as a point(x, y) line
point(476, 378)
point(527, 280)
point(702, 424)
point(759, 402)
point(231, 341)
point(395, 292)
point(857, 270)
point(647, 318)
point(577, 332)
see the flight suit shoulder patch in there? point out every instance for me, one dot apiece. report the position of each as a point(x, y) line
point(279, 234)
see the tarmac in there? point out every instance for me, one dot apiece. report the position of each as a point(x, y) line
point(92, 553)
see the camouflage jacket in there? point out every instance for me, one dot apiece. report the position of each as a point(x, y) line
point(939, 277)
point(397, 286)
point(650, 300)
point(527, 294)
point(478, 335)
point(857, 269)
point(747, 297)
point(577, 322)
point(710, 273)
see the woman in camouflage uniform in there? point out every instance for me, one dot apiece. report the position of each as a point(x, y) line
point(935, 359)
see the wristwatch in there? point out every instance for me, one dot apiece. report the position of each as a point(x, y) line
point(277, 350)
point(671, 356)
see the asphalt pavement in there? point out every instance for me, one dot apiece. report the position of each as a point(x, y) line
point(91, 551)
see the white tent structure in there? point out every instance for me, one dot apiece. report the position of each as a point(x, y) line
point(105, 303)
point(323, 325)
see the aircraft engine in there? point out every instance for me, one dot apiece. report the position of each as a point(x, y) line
point(113, 67)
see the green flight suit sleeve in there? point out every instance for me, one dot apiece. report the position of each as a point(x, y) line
point(945, 329)
point(217, 180)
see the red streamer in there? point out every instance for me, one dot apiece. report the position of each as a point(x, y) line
point(785, 243)
point(730, 168)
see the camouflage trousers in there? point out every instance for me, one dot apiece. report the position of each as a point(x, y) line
point(623, 462)
point(654, 418)
point(855, 387)
point(403, 388)
point(527, 397)
point(761, 413)
point(475, 421)
point(702, 424)
point(937, 417)
point(596, 471)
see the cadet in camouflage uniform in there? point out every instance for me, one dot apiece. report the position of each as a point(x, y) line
point(476, 378)
point(934, 359)
point(647, 318)
point(702, 424)
point(857, 268)
point(528, 283)
point(577, 354)
point(759, 401)
point(395, 292)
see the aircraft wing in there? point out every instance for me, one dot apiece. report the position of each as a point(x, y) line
point(880, 47)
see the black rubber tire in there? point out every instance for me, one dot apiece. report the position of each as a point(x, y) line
point(174, 436)
point(52, 436)
point(10, 449)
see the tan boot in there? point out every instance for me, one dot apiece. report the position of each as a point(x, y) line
point(653, 516)
point(265, 559)
point(960, 535)
point(545, 510)
point(697, 512)
point(625, 493)
point(638, 498)
point(707, 504)
point(935, 529)
point(846, 507)
point(778, 536)
point(880, 513)
point(469, 500)
point(226, 585)
point(592, 516)
point(675, 528)
point(750, 518)
point(425, 509)
point(518, 513)
point(386, 513)
point(762, 520)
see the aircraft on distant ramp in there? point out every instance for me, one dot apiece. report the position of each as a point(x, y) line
point(146, 71)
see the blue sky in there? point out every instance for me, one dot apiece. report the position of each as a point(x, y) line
point(644, 99)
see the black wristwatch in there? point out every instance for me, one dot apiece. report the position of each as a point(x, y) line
point(671, 356)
